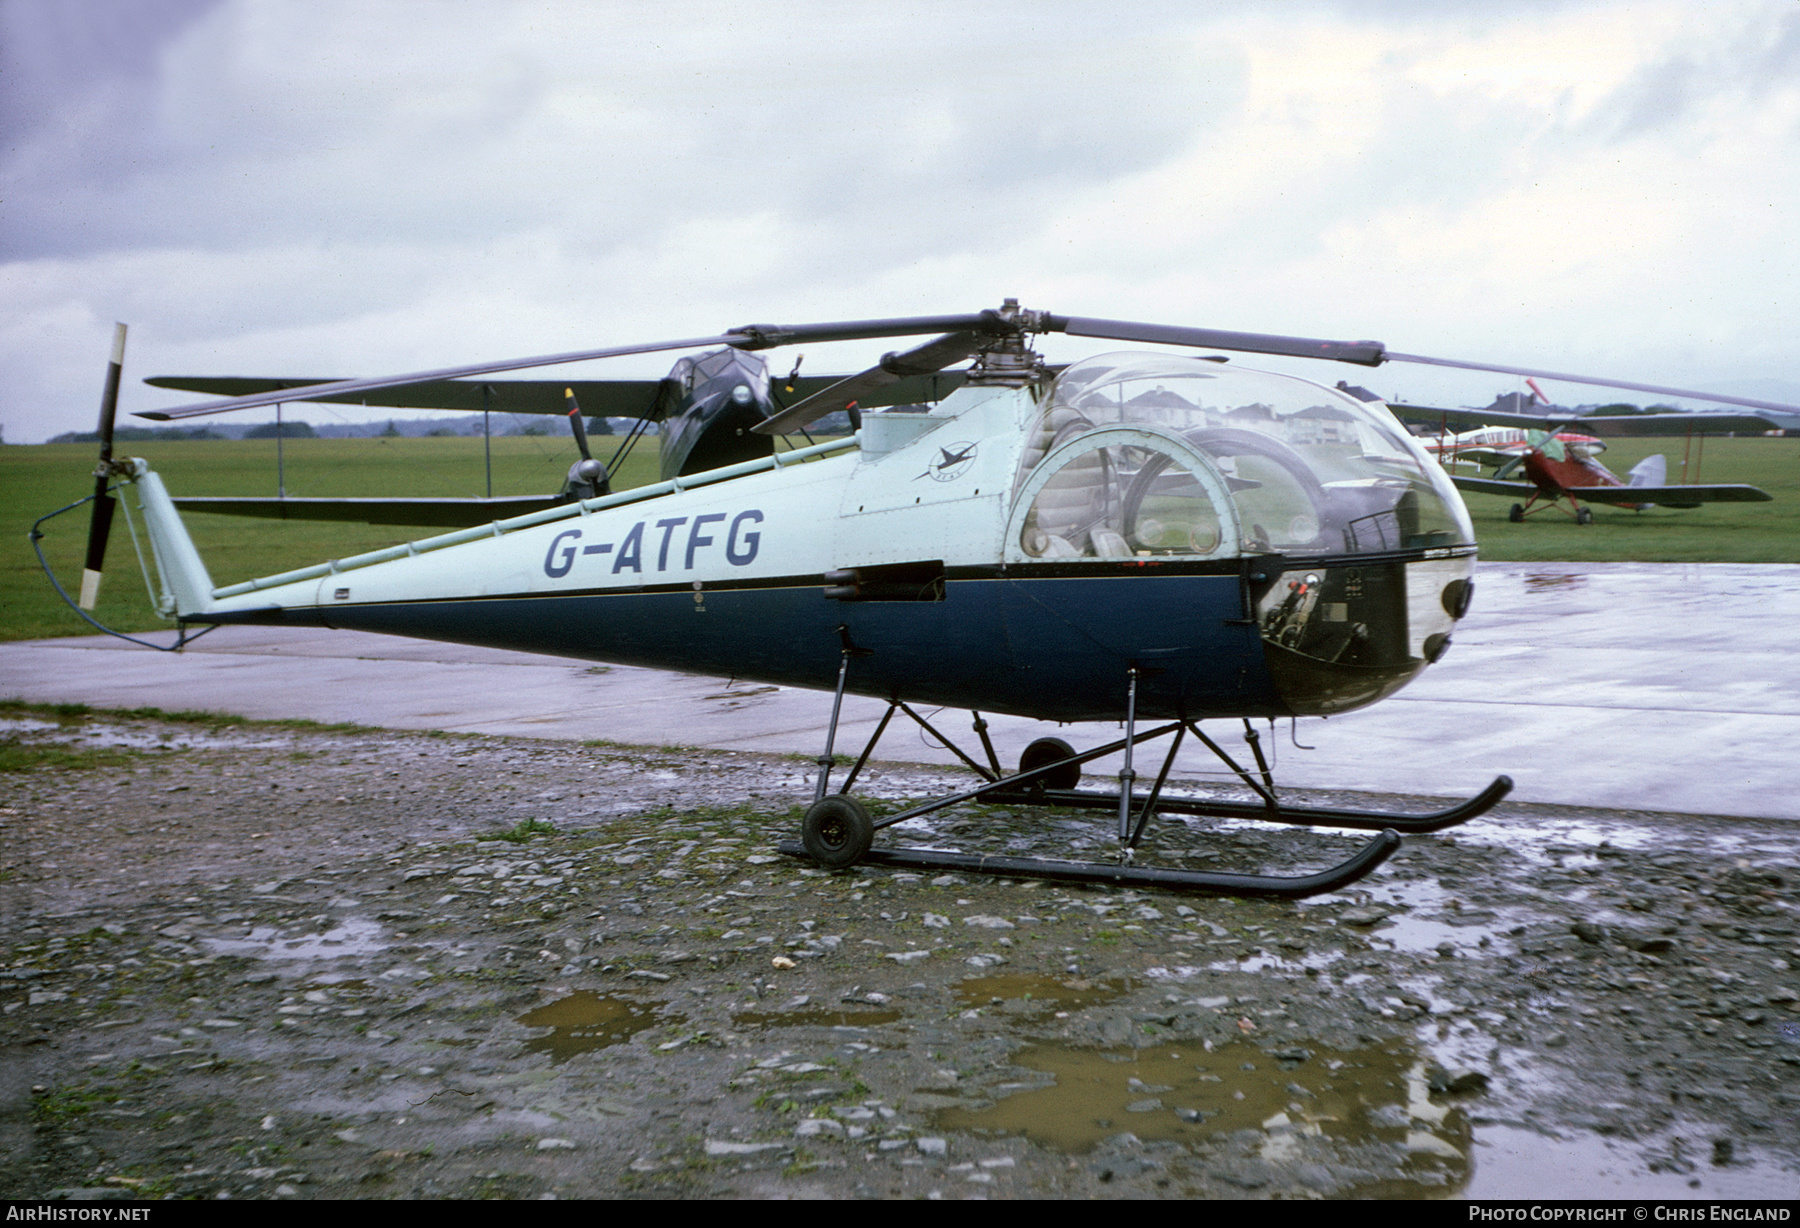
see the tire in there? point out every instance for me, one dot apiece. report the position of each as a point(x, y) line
point(1584, 516)
point(1517, 514)
point(837, 832)
point(1050, 750)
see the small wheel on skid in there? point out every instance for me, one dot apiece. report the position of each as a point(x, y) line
point(837, 832)
point(1051, 750)
point(1517, 514)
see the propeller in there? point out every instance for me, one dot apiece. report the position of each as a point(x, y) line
point(100, 527)
point(587, 471)
point(1547, 443)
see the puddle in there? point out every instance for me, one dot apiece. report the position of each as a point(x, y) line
point(131, 739)
point(1434, 917)
point(1515, 1163)
point(822, 1017)
point(1045, 993)
point(353, 937)
point(584, 1020)
point(1184, 1093)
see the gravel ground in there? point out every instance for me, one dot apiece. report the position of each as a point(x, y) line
point(273, 961)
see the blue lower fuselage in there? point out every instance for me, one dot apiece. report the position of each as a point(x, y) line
point(1052, 648)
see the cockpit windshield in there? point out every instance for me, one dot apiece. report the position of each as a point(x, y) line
point(1140, 454)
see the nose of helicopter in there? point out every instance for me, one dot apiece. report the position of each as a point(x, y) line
point(1342, 636)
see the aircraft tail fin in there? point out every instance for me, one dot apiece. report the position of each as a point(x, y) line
point(187, 587)
point(1651, 471)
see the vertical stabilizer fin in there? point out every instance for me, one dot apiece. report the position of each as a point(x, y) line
point(187, 588)
point(1653, 470)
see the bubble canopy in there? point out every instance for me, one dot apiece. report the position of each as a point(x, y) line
point(1146, 455)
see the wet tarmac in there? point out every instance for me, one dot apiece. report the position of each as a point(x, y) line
point(1626, 686)
point(300, 963)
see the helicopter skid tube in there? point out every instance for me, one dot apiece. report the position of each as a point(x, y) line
point(1362, 863)
point(1300, 816)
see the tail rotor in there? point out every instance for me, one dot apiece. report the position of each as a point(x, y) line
point(100, 526)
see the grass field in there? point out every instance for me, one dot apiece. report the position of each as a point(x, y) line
point(35, 480)
point(1715, 533)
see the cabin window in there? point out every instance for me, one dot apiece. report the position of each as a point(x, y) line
point(1117, 494)
point(1148, 454)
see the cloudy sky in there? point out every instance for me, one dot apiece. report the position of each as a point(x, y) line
point(320, 188)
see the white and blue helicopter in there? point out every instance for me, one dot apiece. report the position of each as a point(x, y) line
point(1152, 538)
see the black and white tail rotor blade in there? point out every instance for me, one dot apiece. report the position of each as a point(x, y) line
point(100, 525)
point(925, 359)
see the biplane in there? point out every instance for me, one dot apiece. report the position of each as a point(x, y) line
point(1557, 455)
point(1159, 539)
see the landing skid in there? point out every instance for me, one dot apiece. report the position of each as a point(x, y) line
point(1366, 859)
point(838, 831)
point(1299, 816)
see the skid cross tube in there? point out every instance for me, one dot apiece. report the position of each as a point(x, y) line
point(1149, 809)
point(950, 746)
point(1266, 793)
point(991, 787)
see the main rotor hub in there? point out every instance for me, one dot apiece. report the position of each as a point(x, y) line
point(1007, 362)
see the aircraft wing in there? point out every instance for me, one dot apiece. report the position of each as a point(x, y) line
point(1484, 454)
point(619, 398)
point(1489, 486)
point(429, 513)
point(1639, 426)
point(1672, 496)
point(1662, 496)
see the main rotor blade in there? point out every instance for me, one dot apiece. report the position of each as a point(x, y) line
point(337, 389)
point(100, 525)
point(924, 359)
point(765, 336)
point(1659, 389)
point(1363, 353)
point(749, 337)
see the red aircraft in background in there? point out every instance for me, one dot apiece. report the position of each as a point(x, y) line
point(1559, 465)
point(1497, 445)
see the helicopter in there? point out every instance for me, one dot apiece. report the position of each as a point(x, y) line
point(1150, 538)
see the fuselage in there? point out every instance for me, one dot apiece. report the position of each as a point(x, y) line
point(1577, 469)
point(1497, 444)
point(1254, 545)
